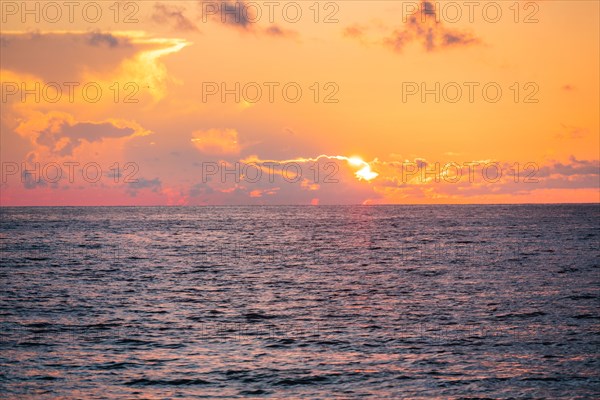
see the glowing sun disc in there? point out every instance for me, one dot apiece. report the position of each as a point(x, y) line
point(356, 161)
point(366, 173)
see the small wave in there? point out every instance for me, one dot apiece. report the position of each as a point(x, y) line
point(253, 392)
point(521, 315)
point(116, 365)
point(586, 316)
point(582, 297)
point(306, 380)
point(251, 317)
point(166, 382)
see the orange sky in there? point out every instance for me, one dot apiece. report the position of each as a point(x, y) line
point(161, 120)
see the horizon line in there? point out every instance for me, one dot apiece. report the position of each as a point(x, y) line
point(304, 205)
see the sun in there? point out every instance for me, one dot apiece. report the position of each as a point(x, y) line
point(356, 161)
point(365, 173)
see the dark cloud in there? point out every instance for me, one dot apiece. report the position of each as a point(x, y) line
point(31, 181)
point(242, 15)
point(433, 35)
point(458, 38)
point(91, 132)
point(31, 176)
point(574, 168)
point(428, 8)
point(173, 15)
point(201, 189)
point(143, 183)
point(154, 185)
point(236, 13)
point(422, 27)
point(99, 39)
point(275, 30)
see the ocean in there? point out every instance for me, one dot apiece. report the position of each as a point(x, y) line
point(456, 301)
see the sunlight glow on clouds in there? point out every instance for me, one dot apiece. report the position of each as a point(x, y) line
point(152, 116)
point(215, 141)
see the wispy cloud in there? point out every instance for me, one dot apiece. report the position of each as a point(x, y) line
point(422, 27)
point(237, 14)
point(174, 16)
point(241, 15)
point(216, 141)
point(153, 185)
